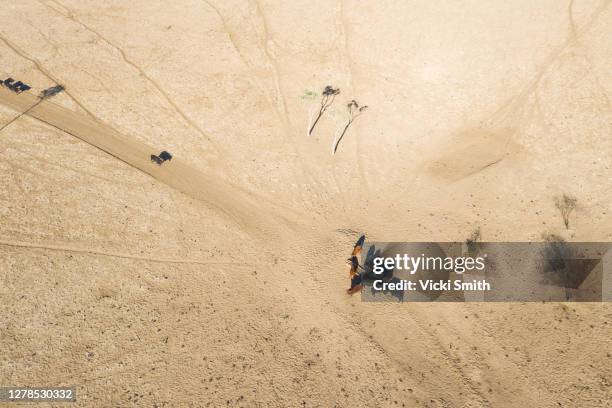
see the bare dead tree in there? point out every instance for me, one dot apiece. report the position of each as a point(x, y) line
point(566, 204)
point(354, 111)
point(327, 98)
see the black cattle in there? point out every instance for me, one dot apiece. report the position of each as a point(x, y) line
point(49, 92)
point(163, 156)
point(17, 87)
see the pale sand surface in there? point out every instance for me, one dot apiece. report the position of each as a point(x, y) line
point(218, 279)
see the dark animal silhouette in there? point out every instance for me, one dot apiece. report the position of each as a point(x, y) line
point(162, 157)
point(17, 87)
point(49, 92)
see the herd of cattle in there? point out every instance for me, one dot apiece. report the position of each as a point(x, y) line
point(19, 87)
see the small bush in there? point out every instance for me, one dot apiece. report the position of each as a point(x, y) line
point(472, 242)
point(566, 204)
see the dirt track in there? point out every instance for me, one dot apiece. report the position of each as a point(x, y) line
point(218, 279)
point(210, 189)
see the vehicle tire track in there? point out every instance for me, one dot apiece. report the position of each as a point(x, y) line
point(397, 364)
point(280, 97)
point(20, 114)
point(20, 244)
point(66, 185)
point(54, 164)
point(253, 79)
point(142, 73)
point(44, 71)
point(465, 379)
point(267, 63)
point(345, 52)
point(513, 105)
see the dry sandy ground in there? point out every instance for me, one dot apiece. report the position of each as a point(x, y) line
point(218, 279)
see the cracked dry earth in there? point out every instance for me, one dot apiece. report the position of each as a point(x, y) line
point(218, 279)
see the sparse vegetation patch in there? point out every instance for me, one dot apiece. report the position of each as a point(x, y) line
point(566, 204)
